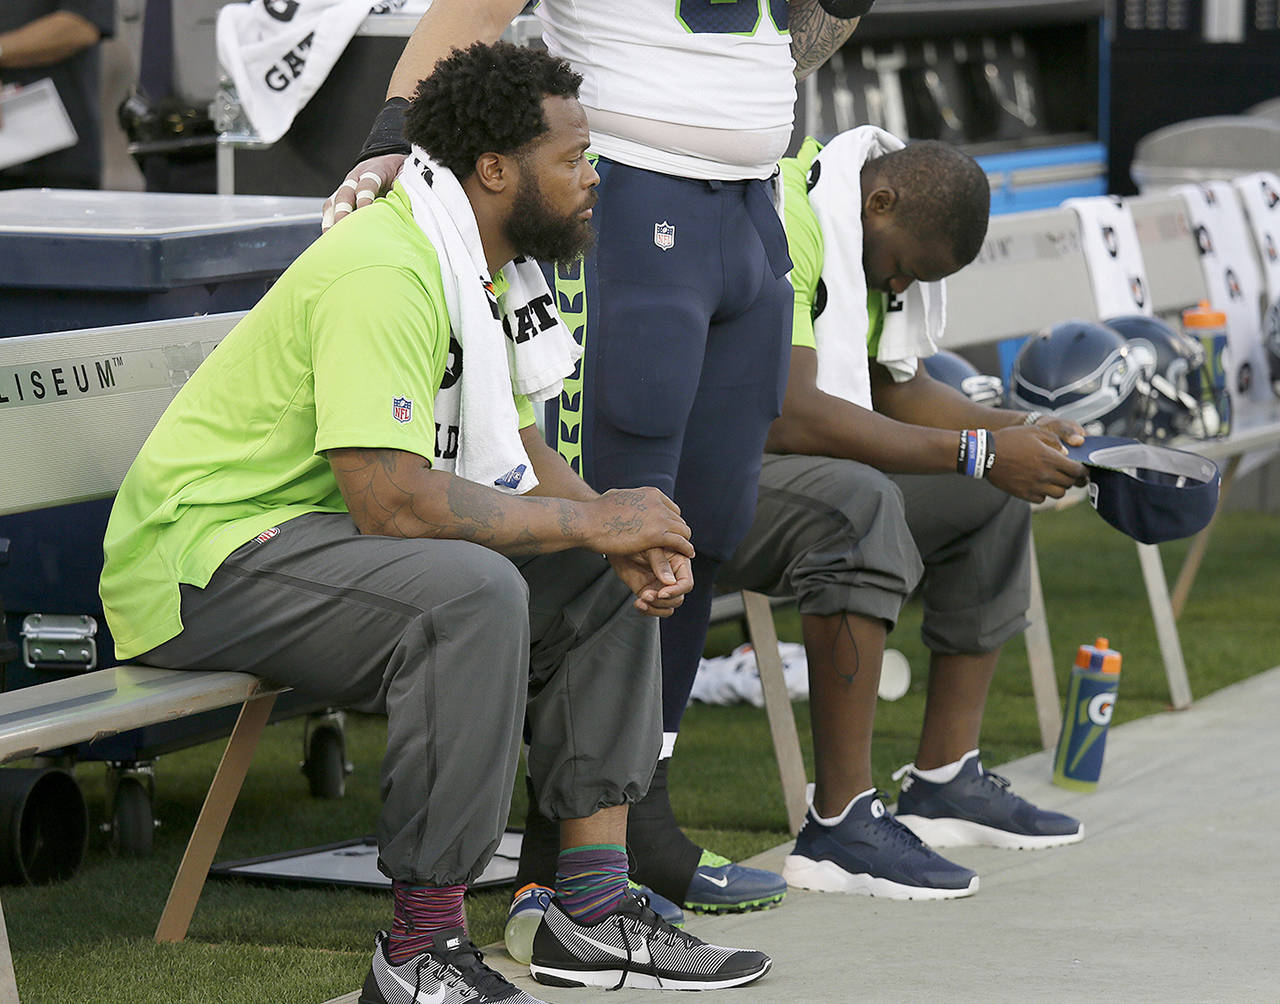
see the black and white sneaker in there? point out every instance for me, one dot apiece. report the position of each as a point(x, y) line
point(634, 947)
point(451, 972)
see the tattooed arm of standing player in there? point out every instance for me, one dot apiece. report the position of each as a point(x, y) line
point(815, 34)
point(397, 494)
point(659, 577)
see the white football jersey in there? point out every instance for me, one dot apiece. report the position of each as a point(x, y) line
point(693, 88)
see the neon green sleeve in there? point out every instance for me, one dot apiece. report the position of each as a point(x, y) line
point(524, 410)
point(804, 242)
point(379, 344)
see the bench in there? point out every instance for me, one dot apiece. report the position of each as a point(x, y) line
point(103, 389)
point(1031, 274)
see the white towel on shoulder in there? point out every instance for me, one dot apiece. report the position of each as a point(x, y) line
point(279, 52)
point(1111, 250)
point(1260, 194)
point(913, 323)
point(513, 342)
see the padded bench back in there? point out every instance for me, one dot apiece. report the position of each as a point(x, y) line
point(1169, 252)
point(76, 406)
point(1030, 274)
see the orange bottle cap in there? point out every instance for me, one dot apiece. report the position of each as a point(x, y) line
point(1203, 316)
point(1087, 658)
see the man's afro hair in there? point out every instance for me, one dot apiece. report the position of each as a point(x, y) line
point(485, 99)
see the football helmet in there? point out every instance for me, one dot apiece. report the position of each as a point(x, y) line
point(1177, 397)
point(1086, 372)
point(950, 368)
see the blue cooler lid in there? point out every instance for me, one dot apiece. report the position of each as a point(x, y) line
point(147, 241)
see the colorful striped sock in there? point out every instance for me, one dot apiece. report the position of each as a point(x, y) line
point(591, 880)
point(420, 912)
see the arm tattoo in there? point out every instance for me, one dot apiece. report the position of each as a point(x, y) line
point(815, 35)
point(386, 495)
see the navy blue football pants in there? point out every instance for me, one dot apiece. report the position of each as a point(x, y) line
point(684, 312)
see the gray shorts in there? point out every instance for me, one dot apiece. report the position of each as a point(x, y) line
point(841, 536)
point(467, 652)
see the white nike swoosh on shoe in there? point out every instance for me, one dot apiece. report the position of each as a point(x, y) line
point(640, 954)
point(436, 998)
point(722, 881)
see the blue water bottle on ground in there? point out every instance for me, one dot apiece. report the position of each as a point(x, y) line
point(1090, 700)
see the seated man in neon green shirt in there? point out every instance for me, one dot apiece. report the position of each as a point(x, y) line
point(860, 502)
point(310, 509)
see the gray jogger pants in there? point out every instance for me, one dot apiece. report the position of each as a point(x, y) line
point(463, 649)
point(842, 536)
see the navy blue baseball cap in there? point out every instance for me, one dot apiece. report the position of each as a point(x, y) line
point(1151, 493)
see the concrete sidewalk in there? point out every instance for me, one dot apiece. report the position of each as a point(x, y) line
point(1174, 895)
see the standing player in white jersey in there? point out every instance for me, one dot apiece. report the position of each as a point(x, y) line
point(683, 307)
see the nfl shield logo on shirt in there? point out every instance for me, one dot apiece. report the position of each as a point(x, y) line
point(401, 409)
point(664, 235)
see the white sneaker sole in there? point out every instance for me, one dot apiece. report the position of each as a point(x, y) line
point(552, 976)
point(827, 876)
point(962, 833)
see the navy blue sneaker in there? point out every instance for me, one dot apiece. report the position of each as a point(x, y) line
point(977, 809)
point(869, 853)
point(720, 886)
point(660, 905)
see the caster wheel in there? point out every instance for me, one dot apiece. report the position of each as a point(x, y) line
point(133, 826)
point(326, 765)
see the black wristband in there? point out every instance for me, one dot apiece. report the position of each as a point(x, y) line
point(845, 9)
point(387, 134)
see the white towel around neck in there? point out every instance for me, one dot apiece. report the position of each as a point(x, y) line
point(479, 403)
point(279, 52)
point(840, 331)
point(1109, 239)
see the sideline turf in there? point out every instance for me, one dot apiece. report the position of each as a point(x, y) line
point(89, 939)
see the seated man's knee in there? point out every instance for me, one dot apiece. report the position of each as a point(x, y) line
point(475, 576)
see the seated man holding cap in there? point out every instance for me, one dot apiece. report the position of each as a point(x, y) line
point(878, 478)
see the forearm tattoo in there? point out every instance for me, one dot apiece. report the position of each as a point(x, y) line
point(815, 35)
point(384, 494)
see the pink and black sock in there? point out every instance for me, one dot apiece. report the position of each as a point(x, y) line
point(591, 880)
point(420, 912)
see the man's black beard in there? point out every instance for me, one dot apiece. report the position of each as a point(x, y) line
point(535, 230)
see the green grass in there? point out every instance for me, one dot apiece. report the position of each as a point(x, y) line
point(89, 939)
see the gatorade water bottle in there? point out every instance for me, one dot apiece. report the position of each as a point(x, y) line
point(1209, 328)
point(1090, 700)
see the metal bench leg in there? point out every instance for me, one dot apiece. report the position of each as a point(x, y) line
point(1044, 684)
point(218, 803)
point(777, 704)
point(1175, 668)
point(8, 982)
point(1200, 542)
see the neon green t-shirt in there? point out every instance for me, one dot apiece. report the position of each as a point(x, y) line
point(804, 241)
point(347, 349)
